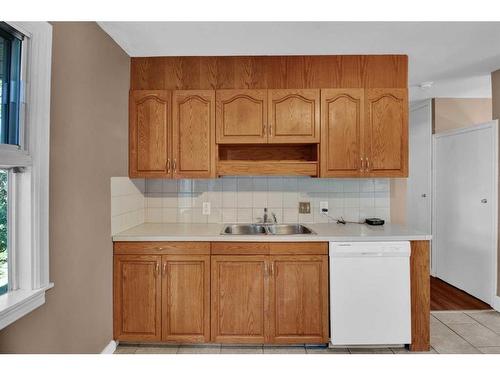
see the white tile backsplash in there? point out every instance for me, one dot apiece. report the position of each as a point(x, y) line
point(242, 199)
point(128, 203)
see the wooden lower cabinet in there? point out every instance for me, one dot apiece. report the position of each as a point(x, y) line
point(137, 298)
point(240, 299)
point(262, 293)
point(299, 299)
point(185, 298)
point(270, 299)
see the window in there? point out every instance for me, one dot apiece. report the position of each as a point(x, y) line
point(25, 56)
point(10, 84)
point(10, 126)
point(4, 255)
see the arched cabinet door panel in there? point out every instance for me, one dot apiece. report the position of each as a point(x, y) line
point(149, 133)
point(386, 132)
point(193, 139)
point(293, 116)
point(241, 116)
point(342, 117)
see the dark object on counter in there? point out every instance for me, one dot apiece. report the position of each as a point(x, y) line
point(374, 221)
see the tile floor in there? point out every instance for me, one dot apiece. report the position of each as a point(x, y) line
point(452, 332)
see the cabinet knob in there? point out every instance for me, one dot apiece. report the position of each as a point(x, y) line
point(484, 200)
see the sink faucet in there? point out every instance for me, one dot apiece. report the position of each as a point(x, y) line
point(265, 219)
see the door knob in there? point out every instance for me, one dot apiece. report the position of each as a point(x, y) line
point(424, 195)
point(484, 200)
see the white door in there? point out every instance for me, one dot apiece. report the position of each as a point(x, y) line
point(465, 236)
point(419, 183)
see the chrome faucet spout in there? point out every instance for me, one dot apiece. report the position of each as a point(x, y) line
point(267, 220)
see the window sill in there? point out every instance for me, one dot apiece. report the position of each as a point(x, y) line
point(16, 304)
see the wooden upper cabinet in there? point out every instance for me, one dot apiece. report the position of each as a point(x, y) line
point(299, 299)
point(149, 133)
point(241, 116)
point(137, 298)
point(342, 119)
point(293, 116)
point(193, 140)
point(186, 298)
point(386, 132)
point(239, 299)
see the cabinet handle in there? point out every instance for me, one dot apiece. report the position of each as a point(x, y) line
point(175, 165)
point(264, 129)
point(362, 165)
point(164, 268)
point(158, 269)
point(168, 165)
point(367, 165)
point(272, 269)
point(270, 131)
point(266, 269)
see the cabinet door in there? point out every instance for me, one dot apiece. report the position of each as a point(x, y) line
point(241, 116)
point(239, 299)
point(137, 298)
point(149, 133)
point(342, 116)
point(186, 298)
point(299, 299)
point(293, 116)
point(386, 132)
point(193, 150)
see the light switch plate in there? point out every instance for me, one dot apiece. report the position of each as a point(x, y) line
point(206, 208)
point(304, 207)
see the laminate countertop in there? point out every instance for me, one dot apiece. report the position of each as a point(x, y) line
point(324, 232)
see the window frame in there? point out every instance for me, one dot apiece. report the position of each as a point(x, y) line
point(29, 179)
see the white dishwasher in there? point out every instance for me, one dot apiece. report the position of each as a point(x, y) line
point(370, 293)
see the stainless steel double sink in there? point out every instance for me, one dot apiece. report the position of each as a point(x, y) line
point(265, 229)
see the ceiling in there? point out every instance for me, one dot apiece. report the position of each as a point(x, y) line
point(437, 50)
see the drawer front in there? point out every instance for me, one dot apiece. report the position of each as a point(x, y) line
point(162, 248)
point(240, 248)
point(298, 248)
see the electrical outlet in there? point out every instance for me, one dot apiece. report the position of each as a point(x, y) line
point(206, 208)
point(323, 207)
point(304, 207)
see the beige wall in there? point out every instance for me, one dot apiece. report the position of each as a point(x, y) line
point(89, 122)
point(495, 95)
point(495, 91)
point(398, 200)
point(455, 113)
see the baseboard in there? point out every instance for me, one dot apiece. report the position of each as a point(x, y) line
point(496, 303)
point(110, 348)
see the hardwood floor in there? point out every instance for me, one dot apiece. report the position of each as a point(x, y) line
point(446, 297)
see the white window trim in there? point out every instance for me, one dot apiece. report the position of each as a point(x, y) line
point(30, 253)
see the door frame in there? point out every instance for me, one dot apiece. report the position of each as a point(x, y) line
point(495, 300)
point(414, 107)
